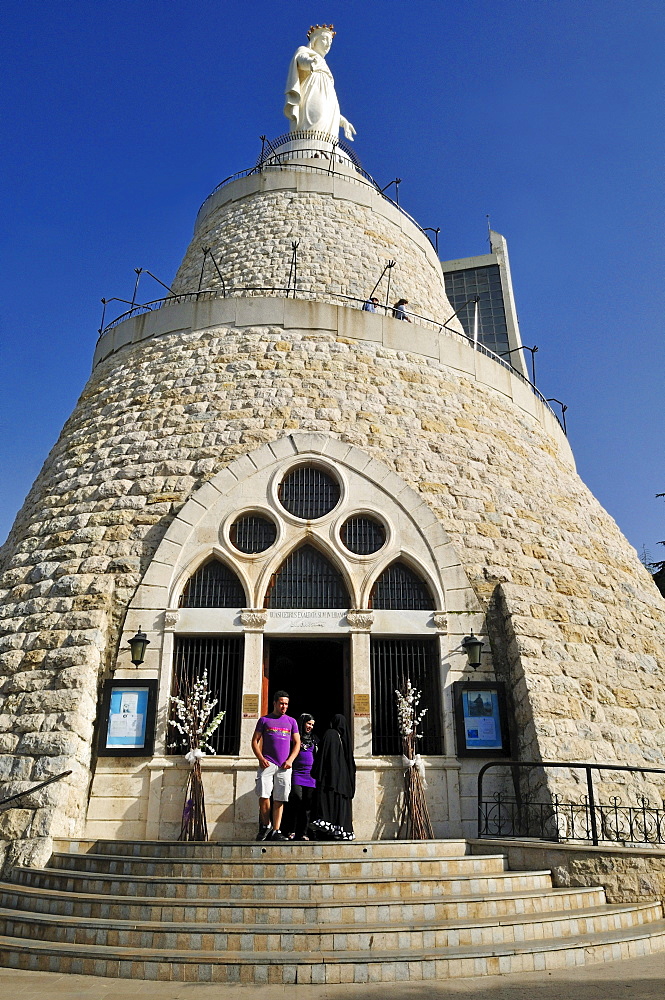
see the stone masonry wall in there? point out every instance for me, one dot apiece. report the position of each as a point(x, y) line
point(628, 874)
point(575, 619)
point(344, 246)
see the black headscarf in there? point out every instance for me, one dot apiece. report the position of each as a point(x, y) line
point(308, 741)
point(334, 767)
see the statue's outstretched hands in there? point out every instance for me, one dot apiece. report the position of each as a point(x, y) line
point(348, 128)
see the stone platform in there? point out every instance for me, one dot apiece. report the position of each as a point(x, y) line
point(307, 913)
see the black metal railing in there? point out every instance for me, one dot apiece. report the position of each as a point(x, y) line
point(309, 294)
point(34, 788)
point(329, 145)
point(523, 813)
point(299, 159)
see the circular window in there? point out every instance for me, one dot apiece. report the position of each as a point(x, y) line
point(253, 533)
point(308, 492)
point(363, 535)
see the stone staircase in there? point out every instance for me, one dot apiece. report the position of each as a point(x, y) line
point(380, 911)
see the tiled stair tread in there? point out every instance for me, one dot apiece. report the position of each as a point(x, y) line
point(169, 956)
point(284, 880)
point(337, 845)
point(205, 901)
point(31, 916)
point(281, 859)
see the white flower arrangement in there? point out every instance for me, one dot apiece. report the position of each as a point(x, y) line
point(191, 719)
point(415, 815)
point(408, 717)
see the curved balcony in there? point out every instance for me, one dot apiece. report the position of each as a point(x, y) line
point(339, 315)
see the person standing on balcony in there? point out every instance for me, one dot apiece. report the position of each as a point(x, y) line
point(399, 312)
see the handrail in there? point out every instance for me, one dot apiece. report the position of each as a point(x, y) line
point(237, 291)
point(35, 788)
point(285, 161)
point(588, 767)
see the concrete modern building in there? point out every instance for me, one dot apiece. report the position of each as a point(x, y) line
point(487, 278)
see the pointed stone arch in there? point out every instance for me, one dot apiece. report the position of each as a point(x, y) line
point(197, 561)
point(307, 579)
point(198, 530)
point(326, 552)
point(399, 587)
point(213, 585)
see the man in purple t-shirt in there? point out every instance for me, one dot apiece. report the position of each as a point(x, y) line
point(275, 744)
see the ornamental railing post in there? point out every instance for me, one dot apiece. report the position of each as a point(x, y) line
point(592, 806)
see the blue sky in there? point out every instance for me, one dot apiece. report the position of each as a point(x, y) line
point(120, 116)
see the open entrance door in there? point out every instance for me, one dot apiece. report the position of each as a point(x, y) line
point(315, 672)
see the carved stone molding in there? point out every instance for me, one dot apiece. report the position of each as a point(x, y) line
point(441, 620)
point(171, 619)
point(360, 619)
point(254, 618)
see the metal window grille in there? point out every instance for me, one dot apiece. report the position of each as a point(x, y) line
point(363, 535)
point(308, 492)
point(399, 589)
point(213, 586)
point(306, 579)
point(222, 657)
point(392, 661)
point(253, 533)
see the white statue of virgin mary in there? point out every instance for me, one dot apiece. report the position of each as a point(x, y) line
point(311, 101)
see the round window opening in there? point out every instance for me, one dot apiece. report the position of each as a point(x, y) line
point(252, 533)
point(363, 535)
point(308, 492)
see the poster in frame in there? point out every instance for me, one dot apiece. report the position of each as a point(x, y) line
point(481, 719)
point(127, 719)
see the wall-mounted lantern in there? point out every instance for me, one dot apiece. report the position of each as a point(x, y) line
point(473, 647)
point(138, 645)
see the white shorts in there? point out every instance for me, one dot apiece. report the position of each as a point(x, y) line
point(275, 781)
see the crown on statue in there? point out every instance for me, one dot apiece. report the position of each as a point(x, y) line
point(321, 27)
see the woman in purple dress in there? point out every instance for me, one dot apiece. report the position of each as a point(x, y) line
point(303, 784)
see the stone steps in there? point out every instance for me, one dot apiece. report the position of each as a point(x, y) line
point(334, 966)
point(282, 867)
point(306, 913)
point(311, 850)
point(300, 939)
point(301, 912)
point(347, 889)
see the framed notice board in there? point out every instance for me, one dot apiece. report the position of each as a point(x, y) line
point(127, 722)
point(481, 719)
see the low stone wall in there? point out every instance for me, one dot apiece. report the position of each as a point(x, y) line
point(628, 874)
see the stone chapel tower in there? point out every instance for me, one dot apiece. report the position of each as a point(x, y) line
point(288, 490)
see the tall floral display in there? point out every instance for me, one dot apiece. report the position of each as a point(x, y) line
point(191, 720)
point(415, 815)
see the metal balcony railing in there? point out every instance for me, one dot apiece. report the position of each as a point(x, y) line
point(528, 812)
point(349, 301)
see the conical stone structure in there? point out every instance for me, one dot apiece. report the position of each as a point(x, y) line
point(195, 414)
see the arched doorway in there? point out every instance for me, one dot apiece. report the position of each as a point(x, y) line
point(314, 671)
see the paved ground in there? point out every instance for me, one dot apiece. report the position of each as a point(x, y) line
point(635, 979)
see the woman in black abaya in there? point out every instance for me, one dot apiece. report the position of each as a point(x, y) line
point(335, 773)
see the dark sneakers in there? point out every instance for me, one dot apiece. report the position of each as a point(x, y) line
point(264, 832)
point(278, 835)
